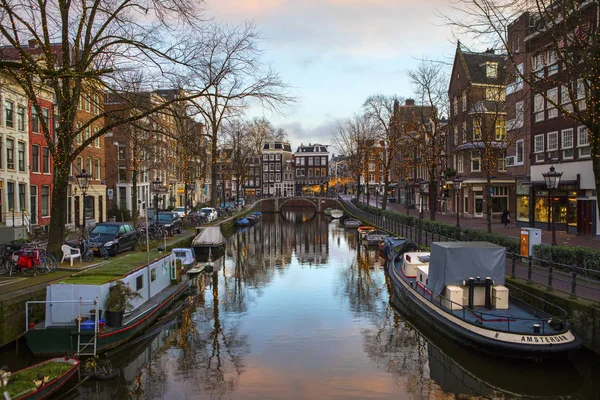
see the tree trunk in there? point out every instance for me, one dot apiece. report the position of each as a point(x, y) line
point(213, 170)
point(432, 197)
point(488, 206)
point(357, 187)
point(386, 184)
point(60, 184)
point(595, 150)
point(134, 198)
point(406, 196)
point(185, 198)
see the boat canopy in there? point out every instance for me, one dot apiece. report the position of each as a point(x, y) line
point(209, 237)
point(454, 262)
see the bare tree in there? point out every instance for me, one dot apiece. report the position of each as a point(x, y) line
point(78, 47)
point(236, 138)
point(430, 87)
point(380, 109)
point(570, 31)
point(351, 140)
point(234, 75)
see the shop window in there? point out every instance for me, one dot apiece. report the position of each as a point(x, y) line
point(523, 208)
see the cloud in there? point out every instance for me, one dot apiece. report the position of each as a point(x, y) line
point(299, 133)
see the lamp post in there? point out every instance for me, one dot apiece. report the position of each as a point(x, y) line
point(457, 185)
point(377, 194)
point(420, 184)
point(83, 180)
point(552, 179)
point(156, 186)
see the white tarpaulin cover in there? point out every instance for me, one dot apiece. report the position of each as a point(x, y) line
point(454, 262)
point(209, 237)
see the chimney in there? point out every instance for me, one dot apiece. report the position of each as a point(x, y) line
point(33, 43)
point(490, 51)
point(409, 102)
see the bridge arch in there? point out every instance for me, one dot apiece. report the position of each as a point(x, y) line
point(298, 202)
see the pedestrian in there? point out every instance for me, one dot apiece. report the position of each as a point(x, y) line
point(505, 217)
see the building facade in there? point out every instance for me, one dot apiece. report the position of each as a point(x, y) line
point(276, 179)
point(312, 167)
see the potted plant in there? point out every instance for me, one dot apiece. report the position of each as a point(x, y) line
point(118, 300)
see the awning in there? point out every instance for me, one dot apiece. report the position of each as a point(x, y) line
point(392, 185)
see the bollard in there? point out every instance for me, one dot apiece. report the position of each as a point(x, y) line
point(549, 288)
point(529, 271)
point(573, 294)
point(513, 266)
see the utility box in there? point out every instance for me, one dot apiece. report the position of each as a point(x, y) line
point(529, 238)
point(500, 297)
point(453, 298)
point(11, 233)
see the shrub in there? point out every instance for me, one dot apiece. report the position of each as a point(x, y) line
point(120, 214)
point(582, 257)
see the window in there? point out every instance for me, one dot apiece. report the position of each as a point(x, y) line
point(323, 160)
point(317, 160)
point(371, 166)
point(500, 130)
point(476, 129)
point(87, 102)
point(538, 64)
point(96, 107)
point(271, 177)
point(35, 123)
point(21, 118)
point(455, 105)
point(278, 177)
point(567, 143)
point(538, 147)
point(21, 156)
point(552, 62)
point(460, 166)
point(565, 98)
point(97, 169)
point(97, 140)
point(491, 70)
point(271, 167)
point(22, 204)
point(464, 100)
point(323, 171)
point(8, 109)
point(520, 153)
point(35, 158)
point(10, 154)
point(580, 94)
point(139, 281)
point(538, 108)
point(271, 157)
point(552, 95)
point(79, 164)
point(277, 167)
point(317, 171)
point(310, 161)
point(79, 135)
point(310, 172)
point(552, 141)
point(495, 94)
point(583, 141)
point(10, 194)
point(45, 201)
point(88, 166)
point(265, 177)
point(121, 152)
point(46, 117)
point(464, 131)
point(455, 135)
point(475, 161)
point(502, 164)
point(122, 173)
point(265, 157)
point(278, 157)
point(371, 178)
point(265, 167)
point(46, 160)
point(87, 133)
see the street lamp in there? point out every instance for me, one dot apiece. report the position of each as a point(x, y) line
point(552, 179)
point(83, 180)
point(377, 194)
point(156, 186)
point(457, 185)
point(420, 184)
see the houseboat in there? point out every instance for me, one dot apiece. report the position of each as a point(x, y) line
point(71, 326)
point(41, 380)
point(209, 239)
point(459, 289)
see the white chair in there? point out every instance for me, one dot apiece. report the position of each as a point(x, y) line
point(70, 253)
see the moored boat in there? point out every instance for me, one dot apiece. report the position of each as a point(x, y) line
point(186, 255)
point(41, 380)
point(351, 223)
point(328, 211)
point(364, 229)
point(256, 214)
point(243, 222)
point(459, 289)
point(209, 239)
point(395, 245)
point(336, 214)
point(374, 237)
point(70, 326)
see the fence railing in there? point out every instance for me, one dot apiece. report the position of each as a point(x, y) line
point(570, 279)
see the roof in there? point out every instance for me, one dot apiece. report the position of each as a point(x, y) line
point(476, 63)
point(312, 148)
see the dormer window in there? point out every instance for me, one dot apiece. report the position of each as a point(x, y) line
point(491, 70)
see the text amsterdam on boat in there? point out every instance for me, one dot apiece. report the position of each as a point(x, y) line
point(459, 289)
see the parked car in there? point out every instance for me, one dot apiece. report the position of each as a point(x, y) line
point(169, 221)
point(114, 236)
point(180, 211)
point(210, 213)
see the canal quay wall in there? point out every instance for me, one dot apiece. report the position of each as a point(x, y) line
point(584, 315)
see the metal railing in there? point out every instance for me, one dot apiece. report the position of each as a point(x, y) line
point(570, 279)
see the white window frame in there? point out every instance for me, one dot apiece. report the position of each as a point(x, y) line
point(566, 136)
point(538, 147)
point(552, 94)
point(580, 91)
point(475, 158)
point(552, 62)
point(552, 141)
point(460, 166)
point(565, 99)
point(520, 152)
point(583, 142)
point(538, 108)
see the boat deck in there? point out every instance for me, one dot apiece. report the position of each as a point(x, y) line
point(518, 318)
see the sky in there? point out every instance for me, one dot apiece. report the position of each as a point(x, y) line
point(336, 53)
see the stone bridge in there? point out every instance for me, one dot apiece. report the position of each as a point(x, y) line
point(274, 204)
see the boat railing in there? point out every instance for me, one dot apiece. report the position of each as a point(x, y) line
point(511, 323)
point(52, 303)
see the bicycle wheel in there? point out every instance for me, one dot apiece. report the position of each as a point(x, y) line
point(104, 253)
point(50, 263)
point(5, 266)
point(29, 271)
point(40, 266)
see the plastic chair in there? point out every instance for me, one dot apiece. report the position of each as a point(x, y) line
point(70, 253)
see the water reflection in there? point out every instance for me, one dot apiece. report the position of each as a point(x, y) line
point(303, 310)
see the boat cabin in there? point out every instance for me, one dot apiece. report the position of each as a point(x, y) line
point(186, 255)
point(412, 261)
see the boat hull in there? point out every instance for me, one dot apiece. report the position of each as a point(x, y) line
point(499, 343)
point(48, 389)
point(58, 341)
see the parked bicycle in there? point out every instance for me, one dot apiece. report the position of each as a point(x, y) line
point(88, 247)
point(30, 259)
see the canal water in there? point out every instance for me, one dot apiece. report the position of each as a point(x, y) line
point(298, 309)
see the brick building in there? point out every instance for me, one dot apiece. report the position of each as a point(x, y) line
point(312, 167)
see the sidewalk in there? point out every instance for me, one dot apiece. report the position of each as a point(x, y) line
point(562, 238)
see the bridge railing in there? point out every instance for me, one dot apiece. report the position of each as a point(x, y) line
point(570, 279)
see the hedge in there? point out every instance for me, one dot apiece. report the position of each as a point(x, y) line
point(581, 257)
point(445, 229)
